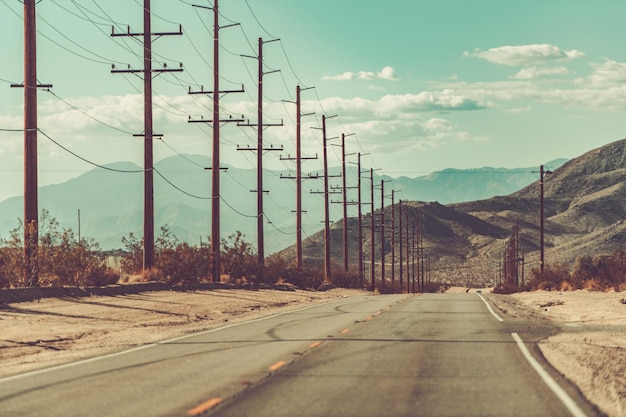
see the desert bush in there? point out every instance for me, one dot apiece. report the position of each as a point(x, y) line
point(62, 259)
point(175, 262)
point(584, 270)
point(132, 262)
point(550, 278)
point(278, 269)
point(386, 287)
point(185, 264)
point(239, 258)
point(341, 278)
point(506, 288)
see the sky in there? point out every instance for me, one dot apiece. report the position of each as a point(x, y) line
point(419, 86)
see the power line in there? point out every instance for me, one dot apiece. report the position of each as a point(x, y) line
point(87, 160)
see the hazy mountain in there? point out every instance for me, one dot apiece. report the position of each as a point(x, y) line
point(111, 200)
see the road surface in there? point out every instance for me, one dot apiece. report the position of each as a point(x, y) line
point(371, 355)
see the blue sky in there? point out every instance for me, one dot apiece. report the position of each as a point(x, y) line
point(424, 85)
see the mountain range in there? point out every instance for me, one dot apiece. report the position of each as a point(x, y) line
point(107, 202)
point(584, 213)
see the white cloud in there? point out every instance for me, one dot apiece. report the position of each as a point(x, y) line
point(609, 72)
point(387, 73)
point(523, 55)
point(536, 72)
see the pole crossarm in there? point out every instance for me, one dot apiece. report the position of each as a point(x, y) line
point(202, 91)
point(141, 34)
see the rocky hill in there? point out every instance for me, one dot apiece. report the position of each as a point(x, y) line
point(584, 206)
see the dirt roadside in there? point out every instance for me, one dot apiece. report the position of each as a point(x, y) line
point(76, 324)
point(591, 350)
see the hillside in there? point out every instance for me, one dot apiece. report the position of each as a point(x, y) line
point(585, 208)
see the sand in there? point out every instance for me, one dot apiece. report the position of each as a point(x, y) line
point(591, 349)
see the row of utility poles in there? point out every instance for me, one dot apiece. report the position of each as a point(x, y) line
point(412, 237)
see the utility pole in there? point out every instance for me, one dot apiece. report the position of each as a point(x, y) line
point(421, 249)
point(360, 221)
point(148, 134)
point(298, 176)
point(259, 150)
point(408, 254)
point(326, 202)
point(372, 227)
point(415, 255)
point(344, 192)
point(382, 231)
point(400, 238)
point(215, 157)
point(30, 85)
point(542, 172)
point(393, 237)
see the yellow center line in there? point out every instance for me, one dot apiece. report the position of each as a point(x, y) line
point(277, 365)
point(345, 331)
point(204, 407)
point(315, 344)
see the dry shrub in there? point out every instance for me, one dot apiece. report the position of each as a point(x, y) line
point(386, 287)
point(593, 285)
point(151, 275)
point(506, 288)
point(566, 286)
point(341, 278)
point(550, 278)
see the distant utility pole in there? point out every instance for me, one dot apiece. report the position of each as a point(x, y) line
point(542, 172)
point(360, 220)
point(148, 134)
point(382, 231)
point(326, 201)
point(408, 254)
point(298, 176)
point(421, 249)
point(259, 150)
point(344, 191)
point(393, 237)
point(215, 157)
point(31, 209)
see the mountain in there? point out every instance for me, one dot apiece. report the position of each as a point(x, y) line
point(109, 201)
point(585, 208)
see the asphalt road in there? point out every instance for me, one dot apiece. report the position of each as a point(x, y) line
point(391, 355)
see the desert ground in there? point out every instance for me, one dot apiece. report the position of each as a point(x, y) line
point(42, 332)
point(591, 348)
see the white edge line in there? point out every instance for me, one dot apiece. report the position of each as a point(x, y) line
point(493, 313)
point(567, 401)
point(163, 342)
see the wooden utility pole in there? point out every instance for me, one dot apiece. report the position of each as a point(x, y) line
point(408, 254)
point(298, 176)
point(400, 238)
point(345, 200)
point(382, 231)
point(360, 222)
point(148, 133)
point(30, 85)
point(31, 210)
point(372, 228)
point(542, 172)
point(393, 237)
point(215, 157)
point(326, 207)
point(260, 149)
